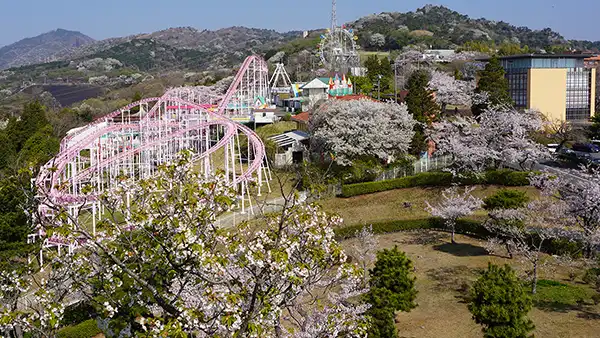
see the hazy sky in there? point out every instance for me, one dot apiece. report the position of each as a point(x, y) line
point(101, 19)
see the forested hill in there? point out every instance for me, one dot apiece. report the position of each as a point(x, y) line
point(440, 27)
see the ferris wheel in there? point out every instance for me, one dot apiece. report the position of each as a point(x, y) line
point(338, 49)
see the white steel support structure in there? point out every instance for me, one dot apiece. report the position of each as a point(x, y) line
point(133, 141)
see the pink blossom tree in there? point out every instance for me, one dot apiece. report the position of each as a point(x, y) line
point(449, 90)
point(502, 136)
point(453, 206)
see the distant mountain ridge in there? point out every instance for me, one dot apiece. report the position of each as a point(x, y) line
point(41, 48)
point(448, 29)
point(229, 39)
point(197, 50)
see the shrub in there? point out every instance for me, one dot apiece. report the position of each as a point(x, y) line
point(78, 313)
point(437, 179)
point(506, 199)
point(591, 276)
point(87, 329)
point(392, 289)
point(500, 303)
point(507, 177)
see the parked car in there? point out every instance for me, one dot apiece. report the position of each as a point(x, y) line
point(580, 153)
point(589, 148)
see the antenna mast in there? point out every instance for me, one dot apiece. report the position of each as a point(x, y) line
point(333, 16)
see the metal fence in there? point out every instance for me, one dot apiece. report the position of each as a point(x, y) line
point(419, 166)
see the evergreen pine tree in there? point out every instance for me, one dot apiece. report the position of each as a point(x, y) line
point(420, 100)
point(392, 289)
point(373, 66)
point(594, 129)
point(421, 104)
point(136, 97)
point(500, 304)
point(493, 82)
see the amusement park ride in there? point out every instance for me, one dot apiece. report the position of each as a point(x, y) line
point(135, 140)
point(338, 49)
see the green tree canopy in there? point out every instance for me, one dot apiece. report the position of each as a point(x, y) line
point(421, 104)
point(492, 82)
point(499, 303)
point(392, 289)
point(39, 148)
point(420, 101)
point(376, 67)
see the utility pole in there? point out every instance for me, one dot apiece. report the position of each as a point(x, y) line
point(395, 83)
point(379, 76)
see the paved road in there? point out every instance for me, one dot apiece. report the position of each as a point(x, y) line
point(265, 207)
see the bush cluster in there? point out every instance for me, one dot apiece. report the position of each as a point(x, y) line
point(89, 328)
point(438, 179)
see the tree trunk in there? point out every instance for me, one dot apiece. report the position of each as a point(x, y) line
point(507, 245)
point(535, 277)
point(451, 224)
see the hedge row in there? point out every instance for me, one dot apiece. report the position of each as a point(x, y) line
point(87, 329)
point(437, 179)
point(465, 227)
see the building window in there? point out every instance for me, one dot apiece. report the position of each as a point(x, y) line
point(578, 94)
point(517, 85)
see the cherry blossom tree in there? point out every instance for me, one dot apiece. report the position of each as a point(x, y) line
point(364, 249)
point(502, 136)
point(454, 206)
point(161, 266)
point(449, 90)
point(377, 40)
point(579, 190)
point(525, 231)
point(352, 129)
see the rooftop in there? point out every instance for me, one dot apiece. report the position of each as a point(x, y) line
point(289, 138)
point(541, 56)
point(302, 117)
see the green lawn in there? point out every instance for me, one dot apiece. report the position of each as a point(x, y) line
point(389, 205)
point(365, 54)
point(445, 272)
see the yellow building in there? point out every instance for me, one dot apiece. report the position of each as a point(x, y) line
point(559, 86)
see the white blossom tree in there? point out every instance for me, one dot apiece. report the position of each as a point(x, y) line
point(161, 266)
point(453, 206)
point(579, 190)
point(377, 40)
point(364, 249)
point(449, 90)
point(352, 129)
point(525, 231)
point(502, 136)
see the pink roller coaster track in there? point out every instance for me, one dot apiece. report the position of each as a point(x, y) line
point(133, 140)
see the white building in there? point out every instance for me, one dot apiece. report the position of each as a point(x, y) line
point(315, 89)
